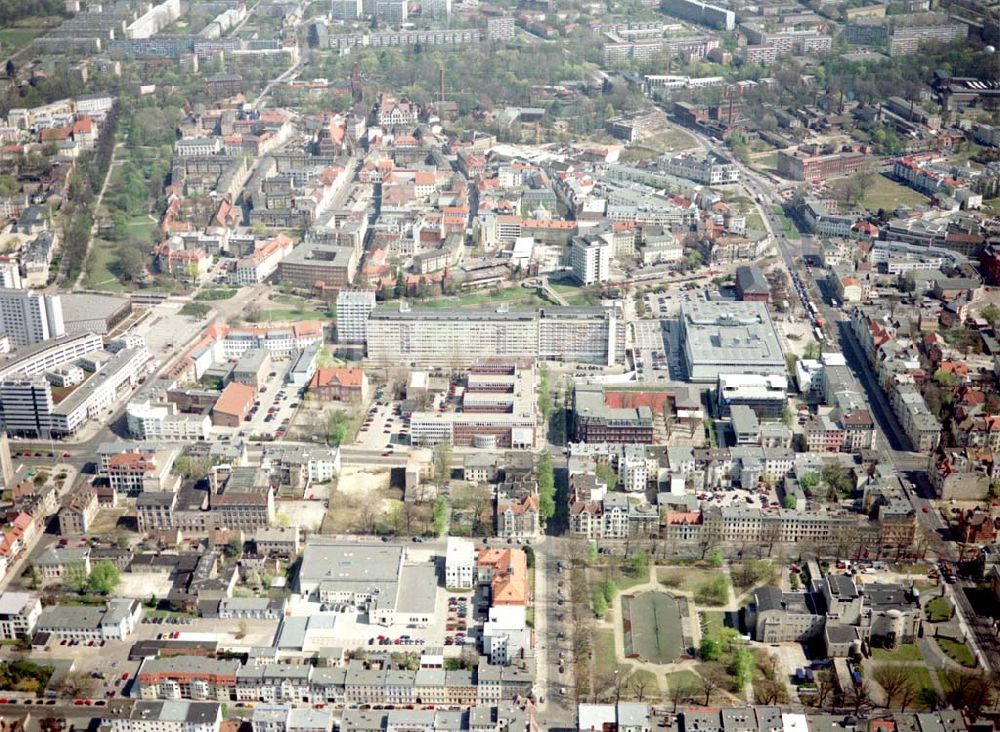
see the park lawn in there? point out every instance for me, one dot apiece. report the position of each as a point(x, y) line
point(770, 160)
point(991, 206)
point(684, 678)
point(604, 658)
point(294, 314)
point(99, 275)
point(22, 32)
point(604, 649)
point(920, 676)
point(902, 652)
point(141, 228)
point(713, 621)
point(938, 610)
point(216, 293)
point(670, 140)
point(791, 231)
point(517, 296)
point(754, 221)
point(686, 579)
point(625, 580)
point(648, 680)
point(888, 194)
point(957, 652)
point(577, 296)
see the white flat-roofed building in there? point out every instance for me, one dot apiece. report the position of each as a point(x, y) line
point(765, 395)
point(729, 338)
point(19, 613)
point(149, 421)
point(459, 564)
point(373, 578)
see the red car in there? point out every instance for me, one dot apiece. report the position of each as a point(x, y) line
point(125, 676)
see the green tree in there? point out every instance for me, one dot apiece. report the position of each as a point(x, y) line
point(694, 259)
point(75, 577)
point(544, 394)
point(440, 515)
point(715, 558)
point(546, 487)
point(710, 649)
point(991, 314)
point(592, 551)
point(119, 226)
point(104, 578)
point(638, 563)
point(835, 475)
point(741, 667)
point(606, 474)
point(442, 461)
point(809, 481)
point(945, 378)
point(811, 350)
point(131, 264)
point(788, 502)
point(336, 427)
point(234, 548)
point(600, 605)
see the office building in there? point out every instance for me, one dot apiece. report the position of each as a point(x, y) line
point(29, 317)
point(313, 264)
point(595, 421)
point(590, 260)
point(353, 309)
point(765, 395)
point(729, 338)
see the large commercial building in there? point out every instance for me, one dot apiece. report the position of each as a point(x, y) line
point(353, 309)
point(590, 260)
point(799, 165)
point(29, 317)
point(463, 336)
point(86, 313)
point(729, 338)
point(373, 578)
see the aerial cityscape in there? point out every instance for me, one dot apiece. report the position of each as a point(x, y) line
point(499, 365)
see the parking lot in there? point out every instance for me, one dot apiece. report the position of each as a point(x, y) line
point(383, 427)
point(274, 407)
